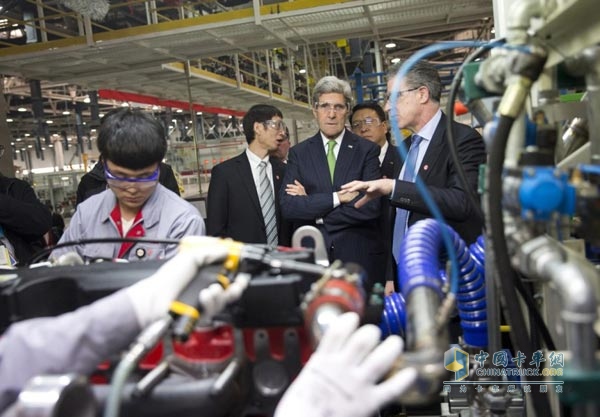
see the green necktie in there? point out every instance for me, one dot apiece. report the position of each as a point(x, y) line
point(331, 157)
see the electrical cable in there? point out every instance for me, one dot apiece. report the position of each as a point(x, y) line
point(536, 316)
point(45, 252)
point(472, 197)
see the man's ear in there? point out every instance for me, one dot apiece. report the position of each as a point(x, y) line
point(424, 94)
point(257, 127)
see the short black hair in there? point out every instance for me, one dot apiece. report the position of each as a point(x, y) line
point(369, 105)
point(258, 113)
point(377, 109)
point(131, 138)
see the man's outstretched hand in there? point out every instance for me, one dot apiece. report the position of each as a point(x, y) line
point(372, 189)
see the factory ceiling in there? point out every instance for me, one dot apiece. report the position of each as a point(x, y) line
point(161, 48)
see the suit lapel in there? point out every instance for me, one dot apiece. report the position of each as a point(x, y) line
point(434, 150)
point(319, 157)
point(278, 173)
point(391, 162)
point(344, 158)
point(400, 163)
point(245, 175)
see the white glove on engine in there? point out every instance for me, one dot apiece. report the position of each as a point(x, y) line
point(340, 379)
point(152, 297)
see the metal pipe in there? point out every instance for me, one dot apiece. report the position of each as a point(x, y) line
point(422, 305)
point(592, 80)
point(188, 80)
point(573, 278)
point(578, 309)
point(425, 346)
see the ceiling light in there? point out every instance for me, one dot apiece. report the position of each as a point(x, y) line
point(93, 130)
point(66, 112)
point(302, 71)
point(27, 135)
point(49, 122)
point(154, 108)
point(9, 120)
point(395, 60)
point(101, 115)
point(125, 104)
point(179, 111)
point(12, 143)
point(18, 139)
point(51, 146)
point(30, 146)
point(22, 109)
point(199, 113)
point(390, 45)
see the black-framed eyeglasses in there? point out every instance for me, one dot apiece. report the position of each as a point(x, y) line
point(368, 123)
point(139, 182)
point(327, 107)
point(275, 124)
point(400, 93)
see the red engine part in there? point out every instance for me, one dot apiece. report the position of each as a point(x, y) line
point(214, 346)
point(345, 295)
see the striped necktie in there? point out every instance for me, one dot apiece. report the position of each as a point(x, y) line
point(409, 174)
point(267, 204)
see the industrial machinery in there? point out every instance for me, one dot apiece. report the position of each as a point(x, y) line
point(237, 362)
point(525, 294)
point(530, 326)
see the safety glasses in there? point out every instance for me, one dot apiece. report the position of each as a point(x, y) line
point(140, 182)
point(367, 123)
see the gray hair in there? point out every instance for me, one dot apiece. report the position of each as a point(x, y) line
point(331, 84)
point(421, 74)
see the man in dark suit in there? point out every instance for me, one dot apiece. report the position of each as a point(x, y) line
point(236, 207)
point(418, 109)
point(316, 169)
point(369, 121)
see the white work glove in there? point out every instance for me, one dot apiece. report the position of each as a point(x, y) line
point(340, 379)
point(152, 297)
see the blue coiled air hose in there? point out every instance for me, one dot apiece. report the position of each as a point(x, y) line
point(421, 265)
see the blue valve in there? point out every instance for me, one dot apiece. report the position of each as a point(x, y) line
point(545, 191)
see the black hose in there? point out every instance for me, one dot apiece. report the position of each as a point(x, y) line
point(537, 321)
point(506, 275)
point(45, 252)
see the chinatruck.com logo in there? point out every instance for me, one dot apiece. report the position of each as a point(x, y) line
point(505, 369)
